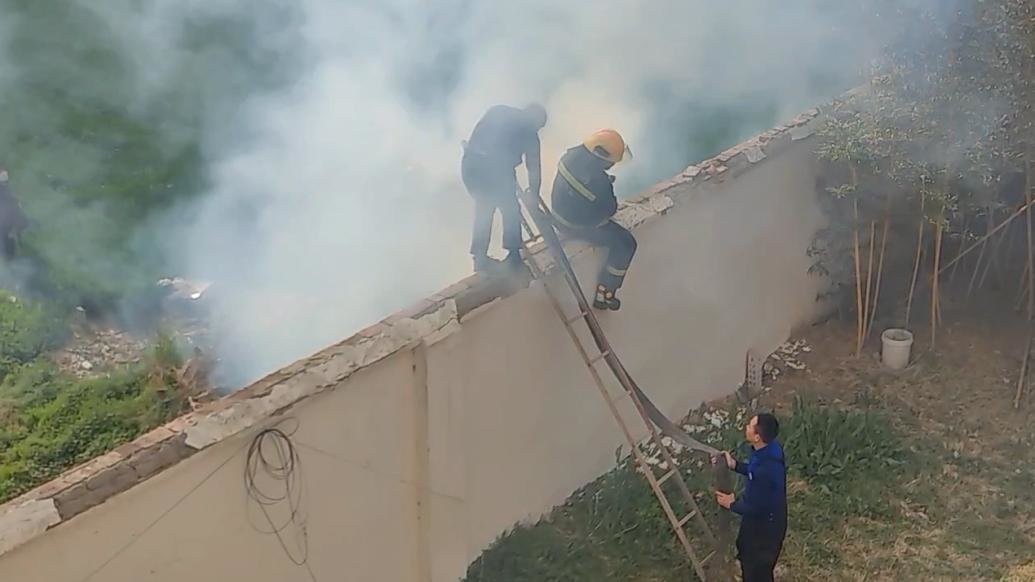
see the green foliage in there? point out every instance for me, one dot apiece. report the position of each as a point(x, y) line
point(103, 139)
point(26, 330)
point(944, 122)
point(849, 459)
point(610, 530)
point(49, 422)
point(829, 446)
point(614, 529)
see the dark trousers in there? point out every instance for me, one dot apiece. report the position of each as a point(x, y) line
point(758, 547)
point(10, 246)
point(493, 187)
point(620, 245)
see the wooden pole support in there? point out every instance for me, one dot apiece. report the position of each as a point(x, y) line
point(1022, 380)
point(979, 242)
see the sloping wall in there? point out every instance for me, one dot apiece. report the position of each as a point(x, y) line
point(426, 436)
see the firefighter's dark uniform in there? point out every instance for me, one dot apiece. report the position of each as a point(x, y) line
point(583, 203)
point(499, 141)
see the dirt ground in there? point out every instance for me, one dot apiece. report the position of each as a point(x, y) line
point(95, 348)
point(91, 350)
point(968, 515)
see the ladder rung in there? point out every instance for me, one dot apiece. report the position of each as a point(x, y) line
point(620, 397)
point(687, 518)
point(708, 558)
point(666, 477)
point(575, 318)
point(628, 389)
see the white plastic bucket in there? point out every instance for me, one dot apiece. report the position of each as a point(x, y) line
point(897, 343)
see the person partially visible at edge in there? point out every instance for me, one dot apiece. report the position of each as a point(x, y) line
point(12, 219)
point(763, 505)
point(584, 203)
point(502, 138)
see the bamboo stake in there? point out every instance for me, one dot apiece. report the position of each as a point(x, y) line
point(981, 255)
point(938, 307)
point(880, 272)
point(937, 299)
point(1022, 381)
point(963, 244)
point(858, 270)
point(977, 269)
point(934, 284)
point(1011, 244)
point(916, 263)
point(1003, 266)
point(1001, 225)
point(1031, 245)
point(869, 280)
point(858, 295)
point(993, 259)
point(1022, 289)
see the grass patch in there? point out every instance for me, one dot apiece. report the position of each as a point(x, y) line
point(50, 422)
point(845, 469)
point(612, 529)
point(843, 465)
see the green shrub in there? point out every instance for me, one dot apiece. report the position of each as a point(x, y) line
point(50, 422)
point(26, 330)
point(827, 446)
point(93, 166)
point(611, 530)
point(850, 461)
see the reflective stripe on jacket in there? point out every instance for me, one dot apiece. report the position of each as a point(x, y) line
point(583, 195)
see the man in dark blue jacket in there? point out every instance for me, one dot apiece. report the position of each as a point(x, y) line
point(763, 506)
point(583, 202)
point(12, 219)
point(501, 139)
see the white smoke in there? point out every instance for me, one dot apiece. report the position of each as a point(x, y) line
point(344, 202)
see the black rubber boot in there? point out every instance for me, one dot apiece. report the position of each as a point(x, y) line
point(605, 299)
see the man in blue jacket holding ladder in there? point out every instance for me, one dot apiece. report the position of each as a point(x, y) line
point(763, 506)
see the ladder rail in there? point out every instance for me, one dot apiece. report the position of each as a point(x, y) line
point(630, 388)
point(552, 242)
point(549, 237)
point(684, 490)
point(640, 458)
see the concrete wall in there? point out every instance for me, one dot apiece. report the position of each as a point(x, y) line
point(358, 448)
point(427, 436)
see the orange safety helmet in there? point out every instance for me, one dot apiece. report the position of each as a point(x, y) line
point(608, 145)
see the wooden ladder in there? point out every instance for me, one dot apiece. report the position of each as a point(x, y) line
point(680, 518)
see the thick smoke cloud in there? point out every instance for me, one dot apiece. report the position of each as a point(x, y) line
point(338, 200)
point(344, 204)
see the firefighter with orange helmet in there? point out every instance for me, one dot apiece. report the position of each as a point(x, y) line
point(584, 203)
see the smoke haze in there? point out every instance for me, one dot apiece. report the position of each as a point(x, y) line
point(344, 204)
point(333, 195)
